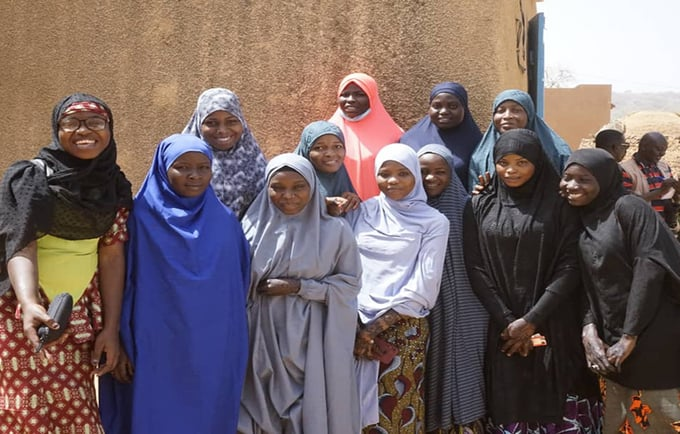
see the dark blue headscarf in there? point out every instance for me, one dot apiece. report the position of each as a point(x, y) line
point(330, 184)
point(461, 140)
point(555, 148)
point(184, 316)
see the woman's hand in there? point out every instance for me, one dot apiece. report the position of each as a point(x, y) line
point(279, 286)
point(364, 344)
point(338, 205)
point(517, 337)
point(334, 206)
point(124, 370)
point(106, 343)
point(519, 329)
point(596, 351)
point(35, 315)
point(521, 346)
point(619, 352)
point(483, 182)
point(352, 201)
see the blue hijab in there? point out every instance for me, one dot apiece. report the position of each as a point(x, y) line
point(461, 140)
point(555, 148)
point(330, 184)
point(183, 322)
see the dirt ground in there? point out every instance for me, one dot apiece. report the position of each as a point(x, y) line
point(640, 123)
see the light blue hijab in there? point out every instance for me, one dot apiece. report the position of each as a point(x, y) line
point(557, 150)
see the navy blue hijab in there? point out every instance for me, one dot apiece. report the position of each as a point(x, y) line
point(461, 140)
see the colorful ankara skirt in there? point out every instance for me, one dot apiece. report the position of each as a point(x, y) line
point(400, 384)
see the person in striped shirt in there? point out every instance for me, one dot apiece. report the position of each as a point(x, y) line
point(647, 176)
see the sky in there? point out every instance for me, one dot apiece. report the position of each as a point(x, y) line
point(634, 45)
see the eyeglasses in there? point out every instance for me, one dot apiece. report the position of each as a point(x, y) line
point(71, 124)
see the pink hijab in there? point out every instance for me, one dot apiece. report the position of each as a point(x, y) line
point(365, 135)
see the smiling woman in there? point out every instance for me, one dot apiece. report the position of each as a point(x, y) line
point(402, 241)
point(514, 109)
point(323, 144)
point(454, 378)
point(630, 265)
point(190, 174)
point(302, 309)
point(521, 255)
point(62, 228)
point(449, 123)
point(184, 312)
point(238, 164)
point(366, 126)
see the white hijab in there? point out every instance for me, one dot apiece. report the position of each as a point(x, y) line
point(402, 245)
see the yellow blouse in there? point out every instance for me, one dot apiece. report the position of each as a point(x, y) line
point(66, 265)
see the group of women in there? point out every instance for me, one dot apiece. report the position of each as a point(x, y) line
point(350, 286)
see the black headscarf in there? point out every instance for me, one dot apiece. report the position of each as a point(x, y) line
point(527, 144)
point(527, 250)
point(77, 200)
point(606, 171)
point(631, 267)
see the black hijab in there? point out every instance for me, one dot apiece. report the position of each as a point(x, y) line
point(73, 198)
point(527, 240)
point(606, 171)
point(638, 231)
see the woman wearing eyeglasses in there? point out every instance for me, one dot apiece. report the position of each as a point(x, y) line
point(62, 228)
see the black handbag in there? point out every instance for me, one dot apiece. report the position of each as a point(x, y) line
point(59, 310)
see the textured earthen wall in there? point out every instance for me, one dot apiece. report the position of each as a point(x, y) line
point(578, 113)
point(150, 60)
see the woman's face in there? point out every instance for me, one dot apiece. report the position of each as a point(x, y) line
point(578, 185)
point(509, 115)
point(446, 111)
point(221, 130)
point(436, 174)
point(514, 170)
point(327, 154)
point(353, 101)
point(289, 192)
point(84, 135)
point(190, 174)
point(395, 180)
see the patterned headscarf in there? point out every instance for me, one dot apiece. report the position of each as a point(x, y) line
point(238, 173)
point(86, 106)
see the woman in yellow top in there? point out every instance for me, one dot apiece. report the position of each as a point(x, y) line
point(62, 224)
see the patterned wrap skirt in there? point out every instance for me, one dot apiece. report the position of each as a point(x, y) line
point(400, 383)
point(55, 397)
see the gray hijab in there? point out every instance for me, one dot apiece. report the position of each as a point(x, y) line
point(304, 340)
